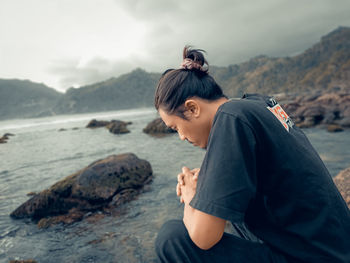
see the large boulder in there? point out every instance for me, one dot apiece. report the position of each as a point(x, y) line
point(342, 181)
point(95, 187)
point(157, 127)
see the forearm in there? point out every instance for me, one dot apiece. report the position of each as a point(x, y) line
point(204, 230)
point(189, 215)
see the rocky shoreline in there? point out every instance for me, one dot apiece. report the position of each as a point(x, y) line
point(324, 110)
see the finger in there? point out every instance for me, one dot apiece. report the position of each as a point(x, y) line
point(195, 177)
point(180, 179)
point(195, 170)
point(185, 170)
point(178, 190)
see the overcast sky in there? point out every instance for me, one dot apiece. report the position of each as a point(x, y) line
point(65, 43)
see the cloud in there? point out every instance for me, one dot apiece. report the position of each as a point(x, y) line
point(73, 43)
point(77, 73)
point(234, 31)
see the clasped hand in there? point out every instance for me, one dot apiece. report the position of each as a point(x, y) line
point(187, 184)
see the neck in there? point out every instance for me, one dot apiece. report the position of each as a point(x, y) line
point(214, 106)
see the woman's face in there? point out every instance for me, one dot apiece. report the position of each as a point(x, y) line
point(195, 129)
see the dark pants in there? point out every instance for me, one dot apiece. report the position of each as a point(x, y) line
point(173, 244)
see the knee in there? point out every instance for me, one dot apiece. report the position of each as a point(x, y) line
point(171, 232)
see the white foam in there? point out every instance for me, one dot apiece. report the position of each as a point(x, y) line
point(10, 125)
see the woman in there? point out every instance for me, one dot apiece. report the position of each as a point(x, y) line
point(260, 172)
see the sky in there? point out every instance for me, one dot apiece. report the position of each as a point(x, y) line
point(71, 43)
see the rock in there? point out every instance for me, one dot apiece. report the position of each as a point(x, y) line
point(342, 181)
point(114, 126)
point(97, 124)
point(106, 236)
point(118, 127)
point(100, 185)
point(62, 129)
point(72, 216)
point(307, 122)
point(23, 261)
point(345, 122)
point(5, 137)
point(320, 109)
point(157, 127)
point(31, 193)
point(334, 128)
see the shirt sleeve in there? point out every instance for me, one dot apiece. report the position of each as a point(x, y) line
point(227, 179)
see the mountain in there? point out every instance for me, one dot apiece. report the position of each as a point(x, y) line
point(325, 66)
point(23, 98)
point(132, 90)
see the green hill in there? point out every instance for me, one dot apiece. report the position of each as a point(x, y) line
point(324, 66)
point(23, 99)
point(132, 90)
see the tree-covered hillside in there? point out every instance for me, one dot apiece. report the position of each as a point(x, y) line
point(23, 99)
point(324, 66)
point(133, 90)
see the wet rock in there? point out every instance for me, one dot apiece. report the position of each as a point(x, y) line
point(334, 128)
point(23, 261)
point(118, 127)
point(97, 124)
point(62, 129)
point(114, 126)
point(157, 127)
point(100, 185)
point(72, 216)
point(5, 137)
point(342, 181)
point(106, 236)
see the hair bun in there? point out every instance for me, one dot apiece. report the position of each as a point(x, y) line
point(193, 59)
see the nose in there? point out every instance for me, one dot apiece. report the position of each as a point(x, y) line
point(182, 137)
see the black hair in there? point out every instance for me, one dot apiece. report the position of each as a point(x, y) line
point(177, 85)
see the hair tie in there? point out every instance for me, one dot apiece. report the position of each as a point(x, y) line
point(188, 63)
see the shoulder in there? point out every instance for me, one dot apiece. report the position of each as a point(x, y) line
point(243, 110)
point(241, 106)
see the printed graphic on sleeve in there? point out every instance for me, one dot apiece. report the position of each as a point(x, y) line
point(281, 115)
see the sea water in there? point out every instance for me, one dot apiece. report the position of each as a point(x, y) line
point(40, 154)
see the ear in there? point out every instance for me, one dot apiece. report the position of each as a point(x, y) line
point(192, 108)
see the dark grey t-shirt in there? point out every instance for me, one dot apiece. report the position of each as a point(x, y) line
point(262, 170)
